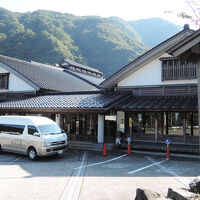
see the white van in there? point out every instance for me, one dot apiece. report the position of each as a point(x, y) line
point(31, 135)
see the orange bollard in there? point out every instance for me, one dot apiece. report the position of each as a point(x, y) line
point(129, 148)
point(167, 153)
point(104, 150)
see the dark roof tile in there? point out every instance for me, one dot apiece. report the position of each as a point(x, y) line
point(48, 77)
point(63, 101)
point(158, 103)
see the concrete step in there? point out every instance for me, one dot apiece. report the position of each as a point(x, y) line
point(89, 146)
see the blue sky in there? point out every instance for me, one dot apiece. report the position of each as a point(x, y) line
point(126, 9)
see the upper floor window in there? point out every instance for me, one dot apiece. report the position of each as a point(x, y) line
point(4, 81)
point(176, 69)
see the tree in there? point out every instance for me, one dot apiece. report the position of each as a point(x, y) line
point(194, 5)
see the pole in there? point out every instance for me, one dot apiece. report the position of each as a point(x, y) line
point(129, 148)
point(167, 153)
point(166, 123)
point(130, 126)
point(184, 128)
point(156, 127)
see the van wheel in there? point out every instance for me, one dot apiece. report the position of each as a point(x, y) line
point(32, 154)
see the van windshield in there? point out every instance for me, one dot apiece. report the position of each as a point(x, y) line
point(50, 129)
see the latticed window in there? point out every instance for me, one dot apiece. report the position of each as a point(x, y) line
point(175, 69)
point(4, 81)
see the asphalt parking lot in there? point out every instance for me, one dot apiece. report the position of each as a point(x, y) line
point(89, 175)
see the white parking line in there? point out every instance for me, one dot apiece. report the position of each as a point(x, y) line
point(73, 187)
point(148, 166)
point(183, 180)
point(100, 163)
point(11, 162)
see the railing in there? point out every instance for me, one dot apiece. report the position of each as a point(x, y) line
point(179, 72)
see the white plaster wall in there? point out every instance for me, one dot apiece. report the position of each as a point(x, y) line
point(120, 121)
point(15, 83)
point(150, 74)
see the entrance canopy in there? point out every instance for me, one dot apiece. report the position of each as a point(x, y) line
point(101, 102)
point(159, 103)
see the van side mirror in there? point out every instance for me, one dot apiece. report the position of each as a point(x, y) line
point(36, 134)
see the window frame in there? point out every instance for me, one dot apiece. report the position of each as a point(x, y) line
point(12, 129)
point(31, 126)
point(177, 69)
point(7, 81)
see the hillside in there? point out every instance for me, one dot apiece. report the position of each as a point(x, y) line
point(154, 31)
point(49, 37)
point(149, 31)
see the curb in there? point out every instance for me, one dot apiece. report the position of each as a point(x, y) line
point(164, 154)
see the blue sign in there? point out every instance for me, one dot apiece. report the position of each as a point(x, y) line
point(128, 139)
point(167, 141)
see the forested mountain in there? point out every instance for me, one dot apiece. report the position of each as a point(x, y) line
point(149, 31)
point(49, 37)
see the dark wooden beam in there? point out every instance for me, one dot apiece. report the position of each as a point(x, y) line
point(192, 121)
point(167, 124)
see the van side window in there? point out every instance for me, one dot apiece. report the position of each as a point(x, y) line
point(12, 129)
point(32, 130)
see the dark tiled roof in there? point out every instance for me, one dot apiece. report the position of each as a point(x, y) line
point(155, 103)
point(48, 77)
point(63, 101)
point(91, 79)
point(104, 101)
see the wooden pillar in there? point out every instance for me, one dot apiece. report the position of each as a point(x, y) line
point(162, 124)
point(198, 86)
point(184, 127)
point(166, 115)
point(85, 126)
point(191, 124)
point(144, 121)
point(76, 130)
point(156, 127)
point(130, 125)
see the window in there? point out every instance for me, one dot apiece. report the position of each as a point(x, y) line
point(32, 130)
point(12, 129)
point(4, 81)
point(175, 69)
point(49, 129)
